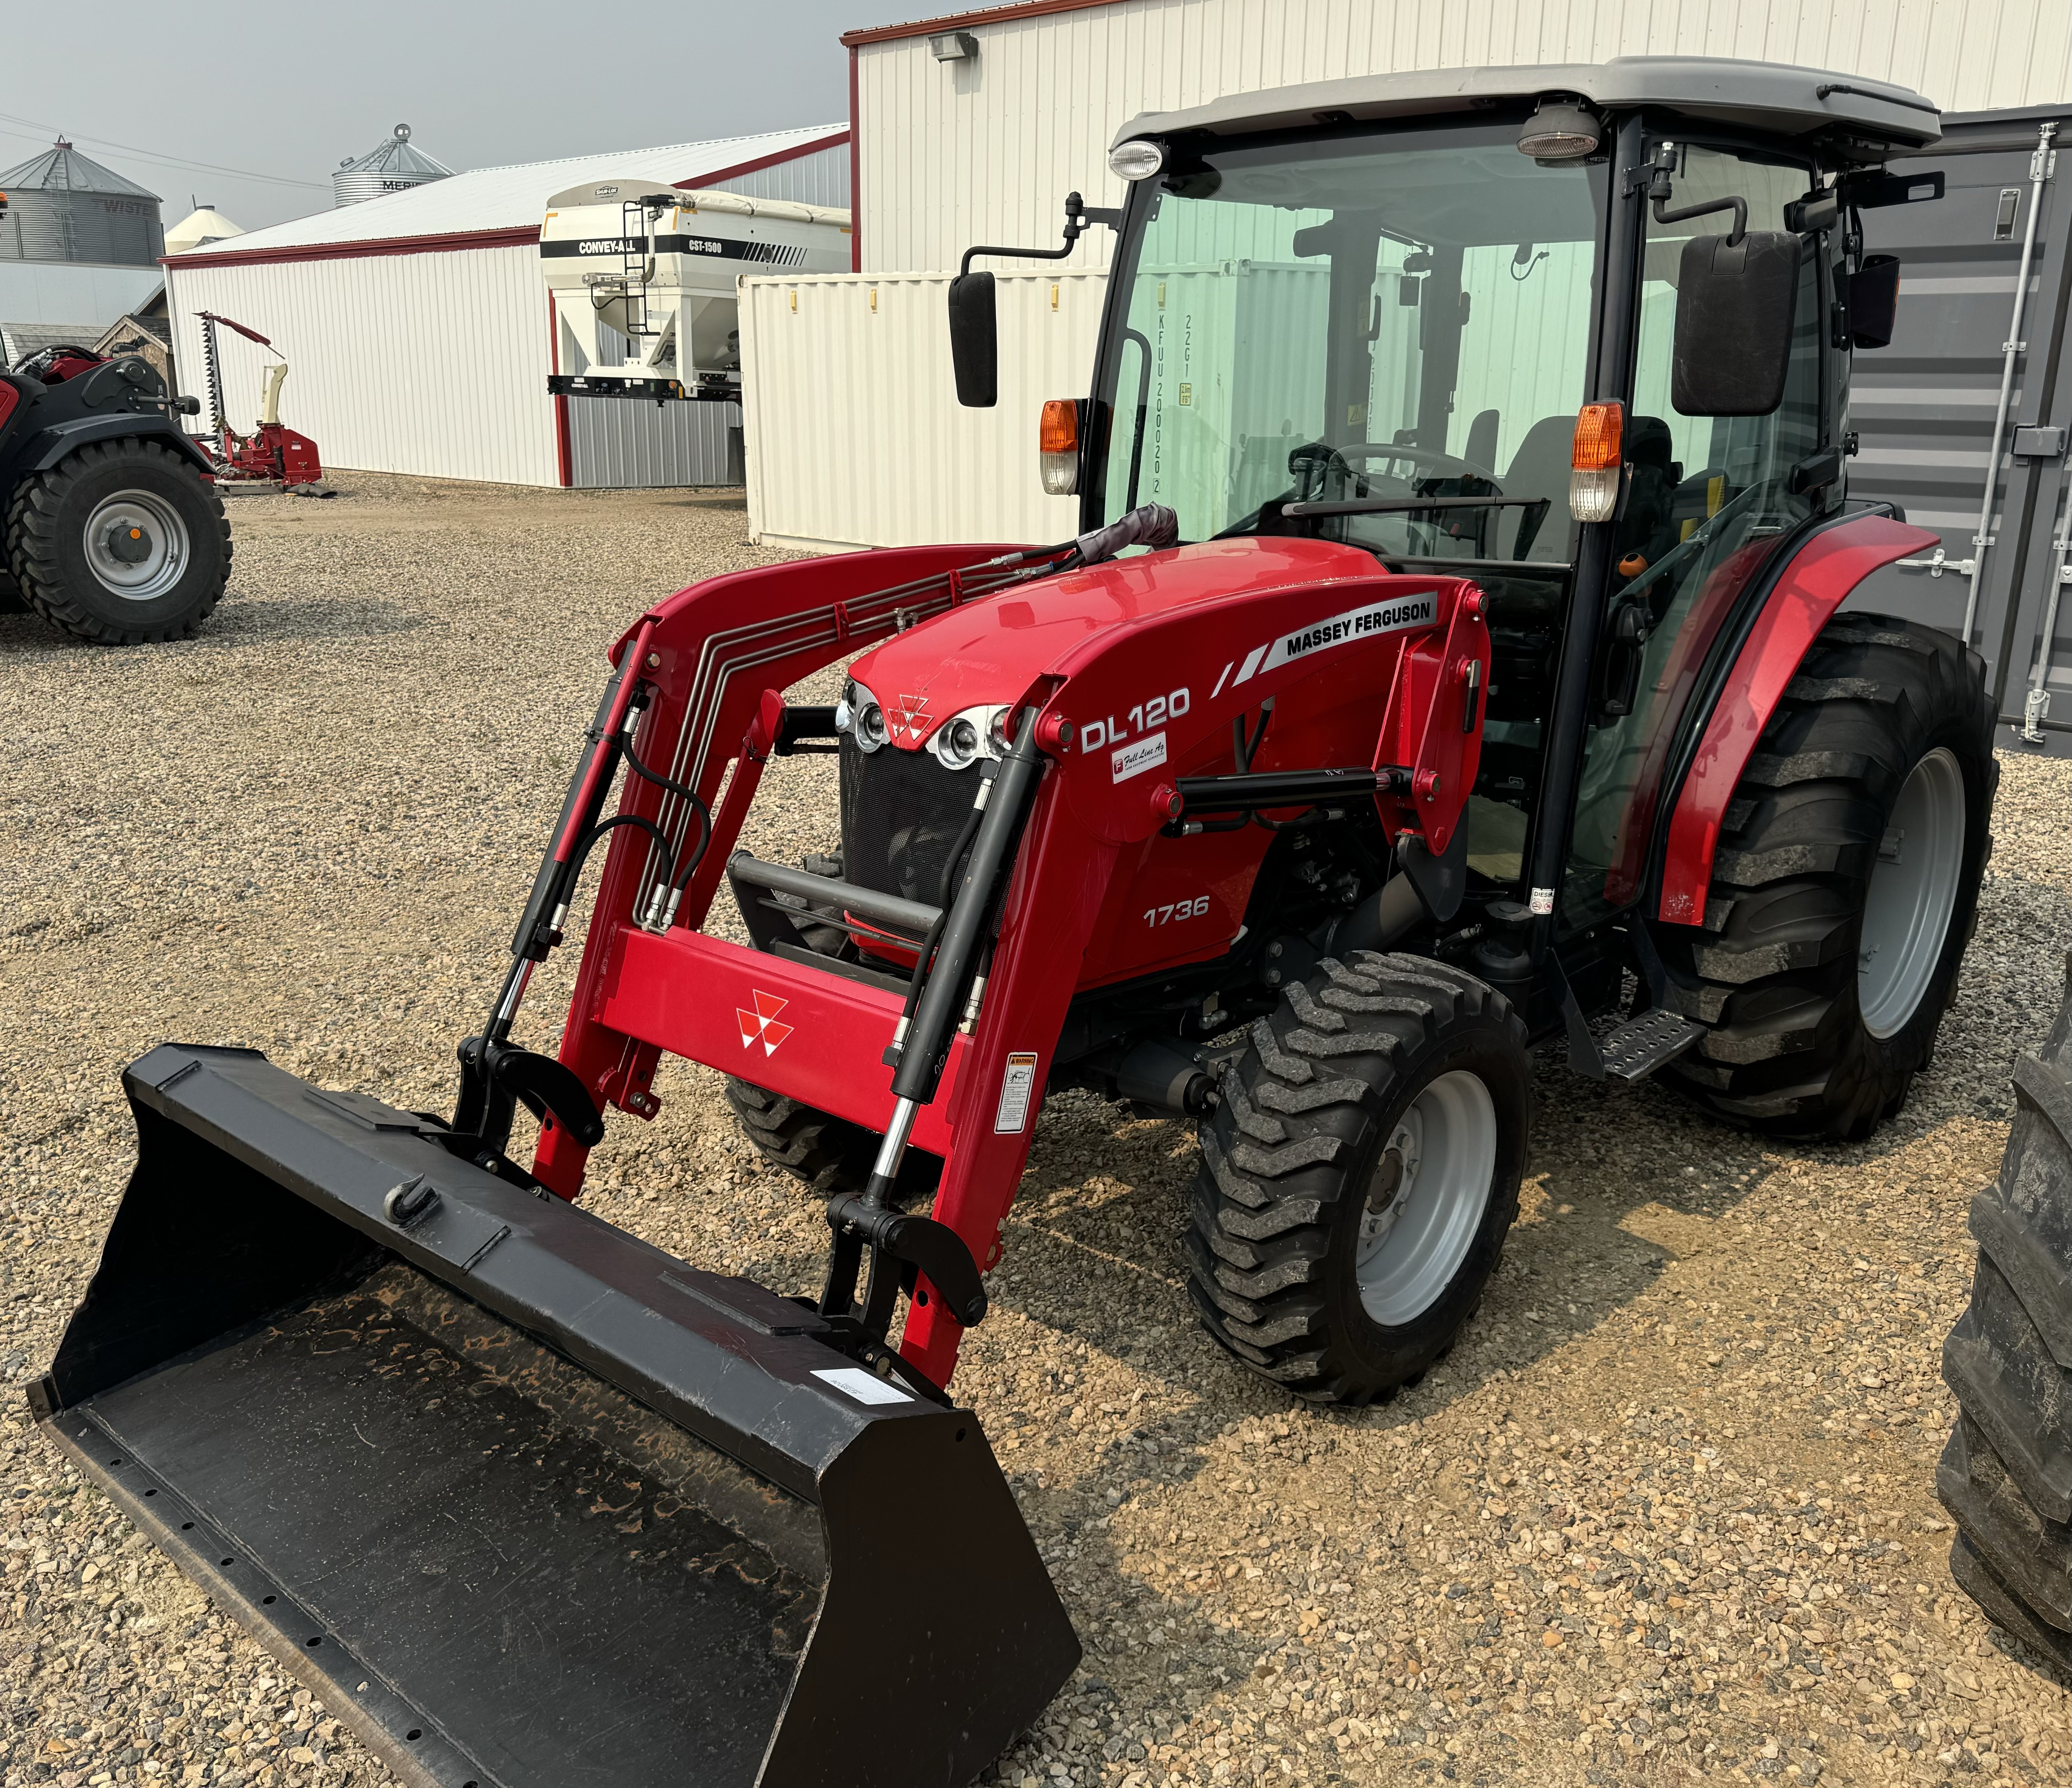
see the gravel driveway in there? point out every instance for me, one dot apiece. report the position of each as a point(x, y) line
point(1666, 1512)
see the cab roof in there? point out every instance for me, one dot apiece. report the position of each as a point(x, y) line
point(1853, 118)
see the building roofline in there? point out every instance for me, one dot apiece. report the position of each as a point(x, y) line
point(834, 139)
point(986, 15)
point(517, 236)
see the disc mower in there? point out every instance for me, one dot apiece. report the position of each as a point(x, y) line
point(1453, 656)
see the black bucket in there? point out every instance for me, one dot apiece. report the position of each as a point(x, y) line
point(530, 1502)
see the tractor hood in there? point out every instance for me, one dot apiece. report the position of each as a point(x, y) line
point(992, 649)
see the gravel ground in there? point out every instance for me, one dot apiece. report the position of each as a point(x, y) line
point(1667, 1511)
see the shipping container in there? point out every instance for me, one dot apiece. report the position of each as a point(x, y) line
point(855, 436)
point(1949, 398)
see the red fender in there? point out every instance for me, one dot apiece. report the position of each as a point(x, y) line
point(1809, 589)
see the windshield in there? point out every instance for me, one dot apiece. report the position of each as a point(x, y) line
point(1379, 318)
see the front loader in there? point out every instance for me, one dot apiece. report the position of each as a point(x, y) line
point(1453, 657)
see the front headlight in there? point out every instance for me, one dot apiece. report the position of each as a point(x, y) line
point(858, 714)
point(965, 738)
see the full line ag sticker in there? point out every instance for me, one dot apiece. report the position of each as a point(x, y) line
point(1136, 756)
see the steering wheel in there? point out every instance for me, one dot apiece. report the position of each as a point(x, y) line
point(1440, 464)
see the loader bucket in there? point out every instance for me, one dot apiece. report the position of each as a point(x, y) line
point(530, 1502)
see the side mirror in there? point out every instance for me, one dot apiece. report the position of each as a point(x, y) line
point(1874, 301)
point(1735, 302)
point(974, 341)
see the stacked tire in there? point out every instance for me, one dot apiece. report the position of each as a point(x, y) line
point(2006, 1476)
point(1844, 887)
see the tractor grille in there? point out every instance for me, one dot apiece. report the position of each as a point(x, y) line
point(901, 813)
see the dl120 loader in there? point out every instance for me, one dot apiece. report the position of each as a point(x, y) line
point(1479, 673)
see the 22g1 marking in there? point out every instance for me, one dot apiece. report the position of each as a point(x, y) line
point(1145, 716)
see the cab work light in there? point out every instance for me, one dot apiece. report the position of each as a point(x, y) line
point(1594, 462)
point(1057, 446)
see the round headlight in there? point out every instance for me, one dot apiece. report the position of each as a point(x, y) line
point(870, 726)
point(997, 731)
point(1136, 159)
point(957, 745)
point(1560, 131)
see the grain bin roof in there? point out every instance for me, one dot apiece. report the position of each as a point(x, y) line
point(491, 201)
point(63, 169)
point(1760, 96)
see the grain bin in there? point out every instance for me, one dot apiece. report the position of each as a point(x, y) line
point(62, 206)
point(390, 165)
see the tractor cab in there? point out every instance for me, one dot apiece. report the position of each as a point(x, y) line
point(1579, 334)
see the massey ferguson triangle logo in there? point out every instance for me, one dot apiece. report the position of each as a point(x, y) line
point(907, 718)
point(761, 1026)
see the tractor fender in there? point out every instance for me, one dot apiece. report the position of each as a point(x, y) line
point(1805, 592)
point(59, 439)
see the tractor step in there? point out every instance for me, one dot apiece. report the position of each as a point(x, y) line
point(1637, 1049)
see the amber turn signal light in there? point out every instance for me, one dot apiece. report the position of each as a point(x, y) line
point(1058, 445)
point(1594, 462)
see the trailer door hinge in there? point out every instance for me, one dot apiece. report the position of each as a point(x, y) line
point(1941, 563)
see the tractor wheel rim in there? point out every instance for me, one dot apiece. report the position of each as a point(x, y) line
point(1913, 888)
point(136, 545)
point(1425, 1200)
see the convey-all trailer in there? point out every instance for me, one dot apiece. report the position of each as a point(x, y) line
point(1515, 703)
point(644, 281)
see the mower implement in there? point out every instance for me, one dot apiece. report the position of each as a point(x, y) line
point(530, 1501)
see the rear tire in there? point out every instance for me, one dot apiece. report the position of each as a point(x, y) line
point(2006, 1476)
point(830, 1153)
point(1360, 1174)
point(1859, 825)
point(120, 543)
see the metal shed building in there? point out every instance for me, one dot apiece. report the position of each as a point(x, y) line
point(419, 330)
point(972, 127)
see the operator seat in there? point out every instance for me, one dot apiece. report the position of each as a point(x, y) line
point(1539, 468)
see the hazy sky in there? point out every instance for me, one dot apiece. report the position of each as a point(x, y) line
point(288, 91)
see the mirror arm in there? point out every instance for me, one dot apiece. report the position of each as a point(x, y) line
point(1078, 219)
point(1738, 206)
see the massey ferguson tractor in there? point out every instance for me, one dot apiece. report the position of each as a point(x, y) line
point(110, 524)
point(1455, 656)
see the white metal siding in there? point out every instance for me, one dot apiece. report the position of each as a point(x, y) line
point(855, 437)
point(820, 178)
point(615, 444)
point(986, 150)
point(434, 364)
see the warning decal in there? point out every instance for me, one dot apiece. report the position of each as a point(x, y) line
point(1018, 1089)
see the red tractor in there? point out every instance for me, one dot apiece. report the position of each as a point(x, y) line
point(1479, 674)
point(110, 524)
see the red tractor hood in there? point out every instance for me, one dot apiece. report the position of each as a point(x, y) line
point(994, 649)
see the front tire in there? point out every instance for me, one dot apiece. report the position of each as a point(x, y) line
point(1844, 888)
point(1360, 1174)
point(2006, 1476)
point(120, 543)
point(828, 1154)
